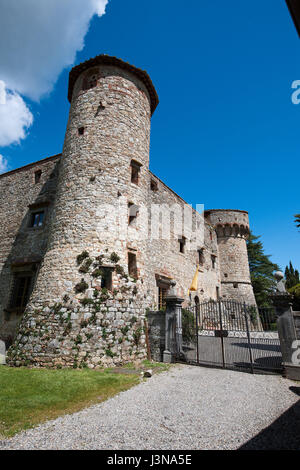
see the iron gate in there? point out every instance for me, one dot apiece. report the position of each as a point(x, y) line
point(229, 334)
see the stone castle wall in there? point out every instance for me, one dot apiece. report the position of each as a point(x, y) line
point(21, 246)
point(71, 319)
point(95, 170)
point(92, 328)
point(232, 228)
point(165, 259)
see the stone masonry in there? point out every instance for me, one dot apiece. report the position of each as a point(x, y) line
point(76, 277)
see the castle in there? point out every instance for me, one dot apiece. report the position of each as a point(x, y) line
point(76, 277)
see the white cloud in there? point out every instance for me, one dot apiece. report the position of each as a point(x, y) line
point(15, 117)
point(38, 39)
point(3, 164)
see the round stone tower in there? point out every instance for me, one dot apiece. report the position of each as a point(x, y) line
point(104, 165)
point(232, 228)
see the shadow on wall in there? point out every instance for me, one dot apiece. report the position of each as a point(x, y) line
point(282, 434)
point(28, 248)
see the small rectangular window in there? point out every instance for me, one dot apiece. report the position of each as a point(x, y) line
point(153, 185)
point(132, 265)
point(21, 291)
point(37, 219)
point(213, 261)
point(37, 176)
point(106, 278)
point(81, 131)
point(132, 213)
point(162, 294)
point(135, 171)
point(182, 244)
point(201, 257)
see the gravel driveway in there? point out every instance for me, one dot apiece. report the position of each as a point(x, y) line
point(185, 408)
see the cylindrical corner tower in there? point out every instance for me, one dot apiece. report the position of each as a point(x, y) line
point(106, 150)
point(88, 304)
point(232, 228)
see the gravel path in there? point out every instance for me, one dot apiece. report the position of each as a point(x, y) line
point(185, 408)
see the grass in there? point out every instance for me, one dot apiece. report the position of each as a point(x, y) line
point(32, 396)
point(156, 366)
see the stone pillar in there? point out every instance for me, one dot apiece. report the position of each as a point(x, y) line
point(281, 299)
point(289, 335)
point(2, 353)
point(156, 325)
point(282, 303)
point(173, 333)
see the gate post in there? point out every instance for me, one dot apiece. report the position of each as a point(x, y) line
point(248, 337)
point(289, 335)
point(2, 353)
point(173, 336)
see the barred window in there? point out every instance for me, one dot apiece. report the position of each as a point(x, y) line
point(22, 284)
point(37, 219)
point(162, 294)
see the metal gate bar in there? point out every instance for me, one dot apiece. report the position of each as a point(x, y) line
point(230, 334)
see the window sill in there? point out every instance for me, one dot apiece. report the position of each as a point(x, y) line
point(34, 229)
point(15, 310)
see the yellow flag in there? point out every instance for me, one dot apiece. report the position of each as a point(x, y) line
point(194, 285)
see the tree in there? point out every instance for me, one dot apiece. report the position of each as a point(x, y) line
point(295, 291)
point(261, 270)
point(297, 220)
point(291, 276)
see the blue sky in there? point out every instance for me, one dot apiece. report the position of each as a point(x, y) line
point(225, 133)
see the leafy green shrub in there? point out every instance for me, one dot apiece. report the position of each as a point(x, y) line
point(78, 339)
point(125, 330)
point(120, 270)
point(82, 286)
point(137, 335)
point(188, 326)
point(86, 301)
point(97, 272)
point(253, 315)
point(114, 257)
point(104, 333)
point(82, 257)
point(295, 291)
point(109, 353)
point(85, 267)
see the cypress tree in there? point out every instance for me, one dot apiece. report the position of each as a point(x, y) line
point(292, 276)
point(261, 270)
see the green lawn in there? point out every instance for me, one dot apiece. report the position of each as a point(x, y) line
point(32, 396)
